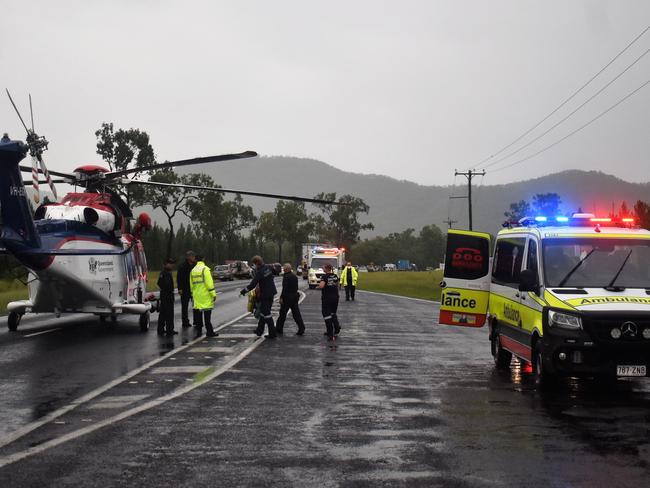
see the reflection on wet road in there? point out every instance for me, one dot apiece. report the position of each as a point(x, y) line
point(396, 401)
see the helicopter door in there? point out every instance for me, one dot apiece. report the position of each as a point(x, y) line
point(466, 283)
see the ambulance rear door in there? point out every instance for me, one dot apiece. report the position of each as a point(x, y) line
point(466, 283)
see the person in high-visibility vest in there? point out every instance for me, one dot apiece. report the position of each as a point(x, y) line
point(349, 277)
point(203, 297)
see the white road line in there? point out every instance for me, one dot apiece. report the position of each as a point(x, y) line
point(41, 332)
point(212, 349)
point(129, 413)
point(178, 369)
point(98, 391)
point(398, 296)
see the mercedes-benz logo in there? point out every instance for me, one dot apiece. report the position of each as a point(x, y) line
point(629, 329)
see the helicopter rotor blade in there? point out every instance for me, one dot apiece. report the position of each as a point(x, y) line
point(37, 193)
point(16, 109)
point(48, 178)
point(182, 162)
point(27, 169)
point(31, 112)
point(26, 182)
point(228, 190)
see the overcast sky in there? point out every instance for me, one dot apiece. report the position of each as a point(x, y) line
point(409, 89)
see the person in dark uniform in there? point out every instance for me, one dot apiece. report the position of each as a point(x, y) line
point(329, 284)
point(184, 288)
point(166, 312)
point(289, 301)
point(264, 279)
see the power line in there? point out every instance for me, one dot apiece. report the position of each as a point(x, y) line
point(567, 100)
point(572, 113)
point(612, 107)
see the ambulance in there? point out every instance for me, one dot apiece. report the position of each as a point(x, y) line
point(319, 257)
point(568, 295)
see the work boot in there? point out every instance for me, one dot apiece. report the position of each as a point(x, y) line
point(212, 334)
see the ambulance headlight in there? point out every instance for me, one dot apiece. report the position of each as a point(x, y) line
point(564, 321)
point(646, 333)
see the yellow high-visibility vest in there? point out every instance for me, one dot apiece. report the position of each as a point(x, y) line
point(202, 286)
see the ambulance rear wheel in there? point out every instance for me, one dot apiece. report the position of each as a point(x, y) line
point(502, 358)
point(144, 322)
point(13, 320)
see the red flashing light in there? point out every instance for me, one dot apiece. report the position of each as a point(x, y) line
point(600, 219)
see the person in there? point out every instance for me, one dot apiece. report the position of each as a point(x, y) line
point(184, 288)
point(166, 311)
point(329, 284)
point(289, 301)
point(264, 280)
point(203, 297)
point(349, 278)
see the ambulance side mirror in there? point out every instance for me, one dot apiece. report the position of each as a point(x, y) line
point(528, 281)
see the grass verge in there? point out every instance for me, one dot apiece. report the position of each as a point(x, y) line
point(422, 284)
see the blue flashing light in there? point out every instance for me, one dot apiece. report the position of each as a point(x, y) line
point(541, 219)
point(561, 219)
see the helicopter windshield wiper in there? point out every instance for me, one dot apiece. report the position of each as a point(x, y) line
point(611, 283)
point(575, 268)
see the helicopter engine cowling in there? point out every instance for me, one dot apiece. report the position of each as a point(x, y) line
point(96, 217)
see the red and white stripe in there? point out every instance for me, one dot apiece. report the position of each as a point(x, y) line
point(35, 179)
point(46, 173)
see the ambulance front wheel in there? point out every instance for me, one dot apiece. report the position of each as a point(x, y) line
point(544, 379)
point(13, 320)
point(502, 358)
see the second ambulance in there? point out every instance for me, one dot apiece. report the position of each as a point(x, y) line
point(569, 295)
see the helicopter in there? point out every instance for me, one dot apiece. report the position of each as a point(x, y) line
point(81, 253)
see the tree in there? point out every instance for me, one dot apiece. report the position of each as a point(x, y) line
point(340, 223)
point(125, 149)
point(642, 214)
point(294, 226)
point(547, 204)
point(517, 211)
point(171, 201)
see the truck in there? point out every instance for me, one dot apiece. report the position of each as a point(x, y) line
point(318, 257)
point(403, 265)
point(567, 295)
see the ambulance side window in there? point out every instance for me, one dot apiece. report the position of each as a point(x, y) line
point(508, 258)
point(531, 259)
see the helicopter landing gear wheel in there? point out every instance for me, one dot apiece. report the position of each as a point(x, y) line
point(144, 322)
point(13, 320)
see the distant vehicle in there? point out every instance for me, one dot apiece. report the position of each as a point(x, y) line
point(363, 269)
point(389, 267)
point(319, 258)
point(403, 265)
point(222, 272)
point(240, 269)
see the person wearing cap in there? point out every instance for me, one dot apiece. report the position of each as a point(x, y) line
point(264, 280)
point(183, 283)
point(329, 284)
point(203, 297)
point(166, 311)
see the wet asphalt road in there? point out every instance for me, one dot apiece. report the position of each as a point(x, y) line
point(396, 401)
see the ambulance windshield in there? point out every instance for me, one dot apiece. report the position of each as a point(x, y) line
point(318, 263)
point(596, 262)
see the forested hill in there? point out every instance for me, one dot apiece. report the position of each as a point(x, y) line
point(396, 205)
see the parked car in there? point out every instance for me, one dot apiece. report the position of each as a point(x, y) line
point(362, 269)
point(241, 270)
point(390, 267)
point(222, 272)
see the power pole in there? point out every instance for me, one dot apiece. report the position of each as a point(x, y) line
point(450, 222)
point(469, 174)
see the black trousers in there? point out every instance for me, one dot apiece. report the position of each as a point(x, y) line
point(349, 291)
point(329, 308)
point(166, 315)
point(266, 318)
point(185, 302)
point(202, 317)
point(286, 305)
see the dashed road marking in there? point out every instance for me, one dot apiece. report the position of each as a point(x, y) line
point(118, 401)
point(177, 369)
point(212, 349)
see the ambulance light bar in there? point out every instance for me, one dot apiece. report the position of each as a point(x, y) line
point(577, 219)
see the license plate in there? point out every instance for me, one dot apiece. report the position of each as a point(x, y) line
point(630, 370)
